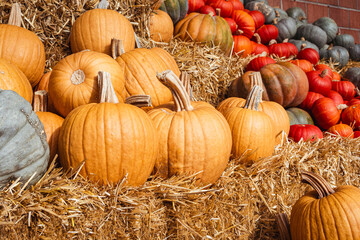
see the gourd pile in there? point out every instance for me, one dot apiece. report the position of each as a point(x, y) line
point(122, 116)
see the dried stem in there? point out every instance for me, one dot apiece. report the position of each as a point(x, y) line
point(140, 100)
point(283, 223)
point(321, 186)
point(117, 47)
point(107, 92)
point(15, 15)
point(253, 99)
point(40, 103)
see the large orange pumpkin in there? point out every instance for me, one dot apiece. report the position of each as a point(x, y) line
point(95, 28)
point(161, 26)
point(73, 81)
point(205, 28)
point(194, 136)
point(22, 47)
point(113, 140)
point(12, 78)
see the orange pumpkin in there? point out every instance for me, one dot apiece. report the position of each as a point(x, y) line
point(22, 47)
point(12, 78)
point(161, 26)
point(304, 64)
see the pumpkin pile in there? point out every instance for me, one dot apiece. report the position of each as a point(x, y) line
point(115, 112)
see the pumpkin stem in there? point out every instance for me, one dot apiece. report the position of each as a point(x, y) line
point(77, 77)
point(103, 4)
point(253, 99)
point(107, 92)
point(341, 106)
point(181, 97)
point(302, 39)
point(117, 47)
point(321, 186)
point(15, 15)
point(272, 41)
point(257, 37)
point(238, 32)
point(276, 20)
point(303, 46)
point(357, 91)
point(140, 100)
point(40, 103)
point(324, 73)
point(218, 11)
point(185, 80)
point(283, 223)
point(157, 4)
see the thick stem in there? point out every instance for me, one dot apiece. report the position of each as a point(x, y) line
point(257, 37)
point(272, 41)
point(117, 48)
point(283, 223)
point(303, 46)
point(40, 103)
point(276, 20)
point(156, 4)
point(321, 186)
point(253, 99)
point(185, 80)
point(180, 95)
point(324, 73)
point(77, 77)
point(103, 4)
point(106, 90)
point(15, 15)
point(357, 91)
point(140, 100)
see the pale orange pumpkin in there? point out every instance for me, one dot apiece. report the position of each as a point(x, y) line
point(22, 47)
point(161, 26)
point(193, 136)
point(95, 28)
point(51, 122)
point(112, 140)
point(12, 78)
point(73, 81)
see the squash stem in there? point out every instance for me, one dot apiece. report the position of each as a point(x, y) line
point(117, 48)
point(40, 103)
point(107, 92)
point(140, 100)
point(253, 99)
point(283, 223)
point(15, 15)
point(321, 186)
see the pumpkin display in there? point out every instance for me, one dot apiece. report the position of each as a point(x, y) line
point(311, 97)
point(193, 136)
point(257, 63)
point(309, 54)
point(284, 83)
point(177, 9)
point(299, 116)
point(106, 24)
point(342, 130)
point(325, 213)
point(112, 140)
point(329, 26)
point(312, 33)
point(161, 26)
point(24, 151)
point(252, 130)
point(207, 29)
point(298, 14)
point(51, 121)
point(319, 82)
point(286, 28)
point(73, 80)
point(353, 75)
point(337, 54)
point(22, 47)
point(351, 116)
point(245, 22)
point(345, 88)
point(325, 113)
point(304, 64)
point(12, 78)
point(305, 132)
point(141, 66)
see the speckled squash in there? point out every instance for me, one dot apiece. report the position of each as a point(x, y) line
point(177, 9)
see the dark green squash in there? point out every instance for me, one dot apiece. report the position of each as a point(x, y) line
point(354, 52)
point(24, 151)
point(337, 54)
point(300, 42)
point(264, 8)
point(312, 33)
point(353, 75)
point(177, 9)
point(299, 116)
point(323, 51)
point(280, 14)
point(344, 40)
point(287, 29)
point(298, 14)
point(329, 26)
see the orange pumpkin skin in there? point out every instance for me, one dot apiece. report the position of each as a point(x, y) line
point(205, 28)
point(115, 140)
point(284, 83)
point(161, 26)
point(304, 64)
point(12, 78)
point(52, 124)
point(105, 24)
point(141, 66)
point(44, 82)
point(24, 49)
point(342, 130)
point(192, 141)
point(73, 81)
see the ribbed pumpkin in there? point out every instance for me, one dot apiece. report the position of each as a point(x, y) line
point(309, 54)
point(51, 122)
point(111, 139)
point(141, 66)
point(176, 9)
point(242, 46)
point(345, 88)
point(267, 32)
point(284, 83)
point(342, 130)
point(22, 47)
point(194, 136)
point(319, 81)
point(95, 28)
point(73, 81)
point(329, 26)
point(275, 111)
point(161, 26)
point(245, 22)
point(257, 63)
point(12, 78)
point(252, 130)
point(257, 47)
point(311, 97)
point(351, 116)
point(304, 64)
point(326, 213)
point(325, 113)
point(205, 28)
point(24, 151)
point(286, 28)
point(305, 132)
point(44, 85)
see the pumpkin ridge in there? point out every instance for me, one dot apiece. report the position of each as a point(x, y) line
point(353, 201)
point(297, 89)
point(197, 28)
point(325, 203)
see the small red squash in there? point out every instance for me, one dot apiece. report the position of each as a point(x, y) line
point(245, 22)
point(345, 88)
point(311, 97)
point(325, 112)
point(319, 82)
point(306, 132)
point(267, 33)
point(242, 45)
point(225, 6)
point(309, 54)
point(207, 10)
point(258, 18)
point(304, 64)
point(353, 101)
point(257, 47)
point(321, 67)
point(342, 130)
point(336, 97)
point(351, 116)
point(257, 63)
point(195, 5)
point(232, 24)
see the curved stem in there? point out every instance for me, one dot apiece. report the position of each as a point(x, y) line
point(117, 48)
point(40, 103)
point(257, 37)
point(283, 223)
point(15, 15)
point(253, 99)
point(272, 41)
point(321, 186)
point(140, 100)
point(256, 80)
point(181, 98)
point(106, 90)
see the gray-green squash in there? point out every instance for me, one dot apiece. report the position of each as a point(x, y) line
point(353, 75)
point(287, 29)
point(264, 8)
point(355, 52)
point(337, 54)
point(280, 14)
point(299, 116)
point(329, 26)
point(300, 42)
point(298, 14)
point(23, 147)
point(344, 40)
point(177, 9)
point(312, 33)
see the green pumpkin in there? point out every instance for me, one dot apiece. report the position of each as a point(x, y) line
point(312, 33)
point(355, 52)
point(353, 75)
point(299, 116)
point(177, 9)
point(337, 54)
point(344, 40)
point(329, 26)
point(24, 150)
point(298, 14)
point(287, 29)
